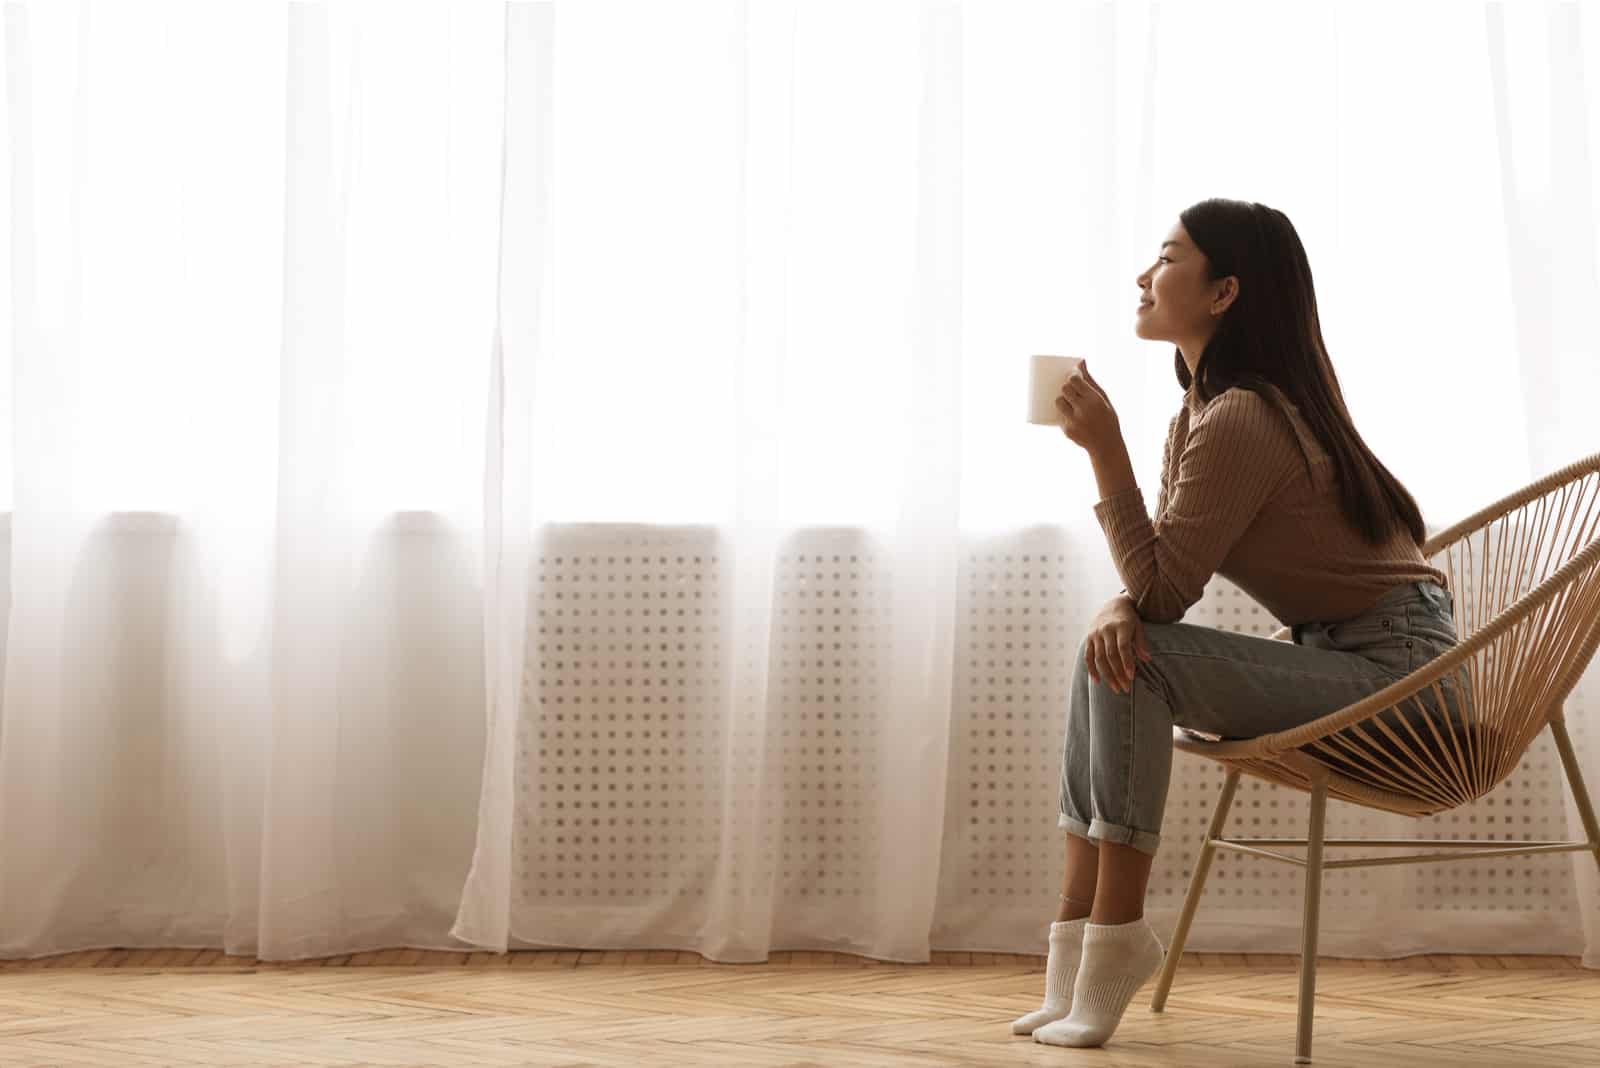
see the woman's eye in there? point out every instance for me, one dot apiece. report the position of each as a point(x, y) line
point(1162, 259)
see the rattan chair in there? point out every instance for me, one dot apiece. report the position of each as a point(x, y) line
point(1525, 576)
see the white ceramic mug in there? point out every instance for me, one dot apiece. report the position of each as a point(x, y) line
point(1046, 376)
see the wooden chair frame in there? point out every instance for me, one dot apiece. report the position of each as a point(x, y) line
point(1560, 616)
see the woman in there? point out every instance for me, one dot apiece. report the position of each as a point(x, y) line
point(1266, 482)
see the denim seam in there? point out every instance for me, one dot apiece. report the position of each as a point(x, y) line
point(1133, 747)
point(1273, 667)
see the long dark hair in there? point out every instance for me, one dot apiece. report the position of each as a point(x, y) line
point(1271, 334)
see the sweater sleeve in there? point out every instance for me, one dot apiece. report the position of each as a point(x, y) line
point(1166, 458)
point(1166, 464)
point(1238, 453)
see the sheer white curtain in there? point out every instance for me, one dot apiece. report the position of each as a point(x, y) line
point(554, 473)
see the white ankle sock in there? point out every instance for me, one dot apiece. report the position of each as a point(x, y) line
point(1118, 958)
point(1066, 947)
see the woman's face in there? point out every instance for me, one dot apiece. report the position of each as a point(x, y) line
point(1167, 288)
point(1176, 303)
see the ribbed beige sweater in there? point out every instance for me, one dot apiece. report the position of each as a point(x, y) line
point(1237, 499)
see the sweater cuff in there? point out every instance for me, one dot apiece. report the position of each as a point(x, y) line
point(1132, 492)
point(1118, 508)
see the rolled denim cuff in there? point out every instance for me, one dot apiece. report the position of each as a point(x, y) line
point(1077, 827)
point(1143, 841)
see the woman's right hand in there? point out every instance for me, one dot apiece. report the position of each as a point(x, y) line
point(1116, 637)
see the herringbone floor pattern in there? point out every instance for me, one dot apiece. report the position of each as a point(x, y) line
point(646, 1008)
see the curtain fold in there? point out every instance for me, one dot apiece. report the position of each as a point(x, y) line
point(553, 473)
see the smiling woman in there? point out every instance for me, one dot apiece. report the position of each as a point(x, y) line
point(1231, 287)
point(1265, 482)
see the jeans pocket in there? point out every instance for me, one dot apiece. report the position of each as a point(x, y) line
point(1354, 635)
point(1435, 630)
point(1380, 638)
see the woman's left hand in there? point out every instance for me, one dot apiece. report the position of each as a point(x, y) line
point(1088, 417)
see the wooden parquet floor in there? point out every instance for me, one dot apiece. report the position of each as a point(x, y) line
point(649, 1008)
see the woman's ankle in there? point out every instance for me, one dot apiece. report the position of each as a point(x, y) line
point(1073, 907)
point(1112, 919)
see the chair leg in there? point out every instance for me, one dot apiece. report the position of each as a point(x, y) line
point(1580, 793)
point(1169, 966)
point(1308, 925)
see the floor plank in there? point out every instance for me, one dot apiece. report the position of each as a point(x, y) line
point(641, 1008)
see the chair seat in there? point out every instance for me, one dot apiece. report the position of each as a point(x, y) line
point(1445, 744)
point(1391, 779)
point(1427, 744)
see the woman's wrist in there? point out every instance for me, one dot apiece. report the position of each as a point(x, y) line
point(1113, 469)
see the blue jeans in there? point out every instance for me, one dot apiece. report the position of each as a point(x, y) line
point(1117, 757)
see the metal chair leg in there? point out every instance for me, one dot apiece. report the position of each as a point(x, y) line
point(1169, 966)
point(1580, 793)
point(1308, 925)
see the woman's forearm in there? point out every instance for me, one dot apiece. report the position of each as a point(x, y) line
point(1113, 470)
